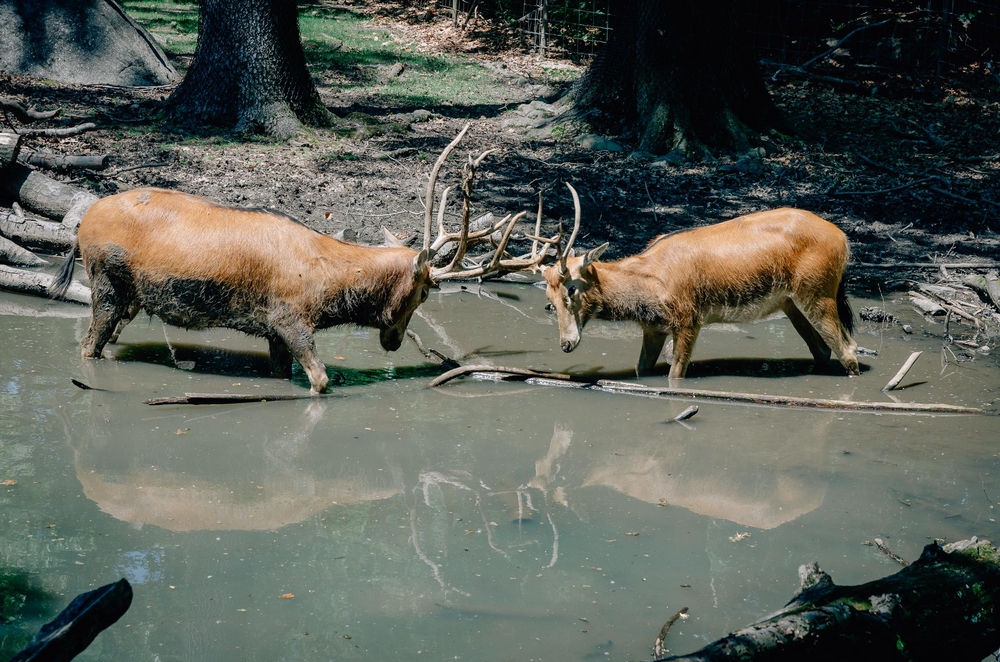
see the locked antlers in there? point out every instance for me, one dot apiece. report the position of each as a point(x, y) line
point(497, 262)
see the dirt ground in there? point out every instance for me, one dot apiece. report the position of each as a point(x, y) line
point(907, 168)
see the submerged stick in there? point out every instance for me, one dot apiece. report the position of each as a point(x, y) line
point(894, 382)
point(686, 414)
point(658, 648)
point(891, 554)
point(613, 386)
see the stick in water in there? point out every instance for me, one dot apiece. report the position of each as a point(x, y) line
point(658, 649)
point(894, 382)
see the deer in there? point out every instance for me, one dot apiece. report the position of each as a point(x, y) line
point(739, 270)
point(197, 264)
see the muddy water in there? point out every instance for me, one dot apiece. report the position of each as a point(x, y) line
point(479, 521)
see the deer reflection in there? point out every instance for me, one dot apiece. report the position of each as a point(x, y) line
point(763, 485)
point(264, 480)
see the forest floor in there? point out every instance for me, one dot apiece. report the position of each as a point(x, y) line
point(908, 168)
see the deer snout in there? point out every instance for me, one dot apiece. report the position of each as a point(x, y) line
point(390, 339)
point(568, 347)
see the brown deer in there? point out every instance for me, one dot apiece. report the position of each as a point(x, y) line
point(197, 264)
point(736, 271)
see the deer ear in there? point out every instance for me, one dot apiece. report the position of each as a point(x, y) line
point(391, 240)
point(593, 254)
point(420, 261)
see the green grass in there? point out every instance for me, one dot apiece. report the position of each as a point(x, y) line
point(355, 70)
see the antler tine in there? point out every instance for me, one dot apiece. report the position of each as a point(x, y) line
point(498, 256)
point(429, 206)
point(479, 159)
point(538, 226)
point(576, 222)
point(444, 204)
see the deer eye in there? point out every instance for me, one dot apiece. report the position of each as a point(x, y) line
point(571, 290)
point(423, 296)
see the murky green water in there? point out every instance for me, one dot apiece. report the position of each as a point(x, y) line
point(480, 521)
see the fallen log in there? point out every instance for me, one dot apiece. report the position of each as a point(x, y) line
point(11, 253)
point(613, 386)
point(10, 146)
point(55, 161)
point(945, 606)
point(986, 285)
point(47, 235)
point(37, 284)
point(40, 193)
point(76, 626)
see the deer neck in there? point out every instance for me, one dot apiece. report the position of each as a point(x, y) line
point(365, 289)
point(621, 293)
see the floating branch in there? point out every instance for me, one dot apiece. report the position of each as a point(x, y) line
point(613, 386)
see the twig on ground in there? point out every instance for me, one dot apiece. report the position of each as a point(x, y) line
point(894, 382)
point(26, 115)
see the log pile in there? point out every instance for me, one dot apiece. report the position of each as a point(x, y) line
point(57, 208)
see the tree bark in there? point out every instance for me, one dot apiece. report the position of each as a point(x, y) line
point(679, 76)
point(10, 146)
point(942, 607)
point(249, 71)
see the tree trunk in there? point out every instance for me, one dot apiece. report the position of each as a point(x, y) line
point(943, 607)
point(46, 235)
point(44, 195)
point(37, 284)
point(679, 76)
point(249, 71)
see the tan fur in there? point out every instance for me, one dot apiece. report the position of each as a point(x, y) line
point(735, 271)
point(171, 253)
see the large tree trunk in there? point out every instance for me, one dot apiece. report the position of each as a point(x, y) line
point(680, 77)
point(943, 607)
point(249, 71)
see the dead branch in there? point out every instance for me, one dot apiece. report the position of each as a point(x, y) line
point(230, 398)
point(11, 253)
point(891, 554)
point(68, 131)
point(613, 386)
point(658, 649)
point(26, 115)
point(894, 382)
point(33, 232)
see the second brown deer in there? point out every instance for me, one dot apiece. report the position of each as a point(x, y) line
point(739, 270)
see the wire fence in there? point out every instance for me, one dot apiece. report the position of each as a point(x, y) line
point(925, 35)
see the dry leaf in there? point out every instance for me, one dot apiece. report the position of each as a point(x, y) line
point(287, 596)
point(7, 482)
point(181, 431)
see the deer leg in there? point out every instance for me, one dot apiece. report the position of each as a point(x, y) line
point(129, 315)
point(819, 349)
point(300, 343)
point(822, 314)
point(281, 357)
point(684, 339)
point(652, 344)
point(109, 304)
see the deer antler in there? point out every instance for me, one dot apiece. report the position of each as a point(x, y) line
point(466, 238)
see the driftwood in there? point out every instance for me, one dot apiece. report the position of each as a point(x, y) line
point(37, 284)
point(55, 161)
point(78, 625)
point(894, 382)
point(11, 253)
point(942, 607)
point(628, 388)
point(10, 146)
point(40, 193)
point(25, 115)
point(48, 235)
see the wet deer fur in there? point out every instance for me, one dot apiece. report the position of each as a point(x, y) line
point(740, 270)
point(197, 264)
